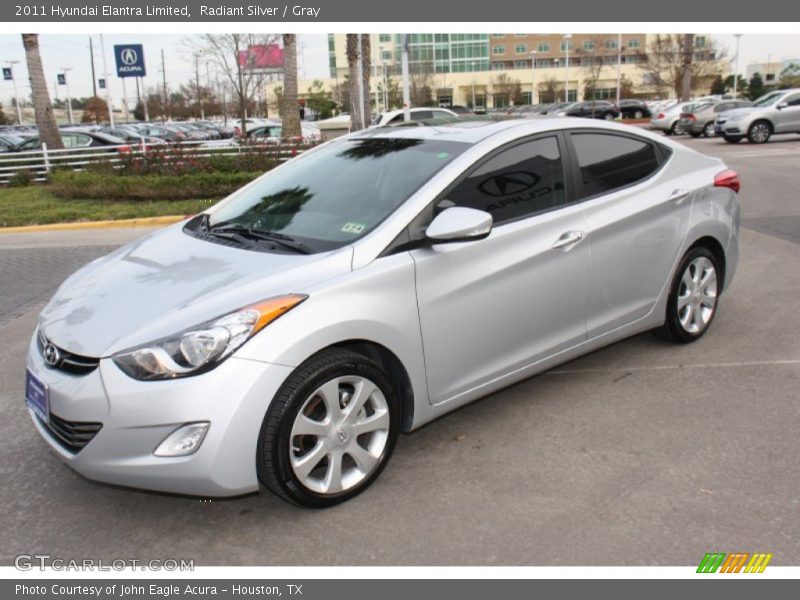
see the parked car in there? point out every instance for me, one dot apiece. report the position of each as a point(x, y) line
point(131, 135)
point(192, 133)
point(668, 120)
point(774, 112)
point(273, 133)
point(700, 121)
point(165, 133)
point(8, 141)
point(458, 109)
point(592, 109)
point(79, 139)
point(556, 108)
point(367, 287)
point(395, 117)
point(634, 109)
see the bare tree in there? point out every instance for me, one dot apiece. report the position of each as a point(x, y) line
point(233, 55)
point(421, 83)
point(674, 62)
point(550, 90)
point(290, 113)
point(506, 90)
point(43, 109)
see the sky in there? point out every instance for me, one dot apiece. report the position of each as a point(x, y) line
point(72, 51)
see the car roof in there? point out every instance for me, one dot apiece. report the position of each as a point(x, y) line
point(474, 131)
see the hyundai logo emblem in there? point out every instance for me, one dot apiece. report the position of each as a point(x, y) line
point(52, 356)
point(129, 56)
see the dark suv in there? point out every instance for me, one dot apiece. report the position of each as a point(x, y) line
point(634, 109)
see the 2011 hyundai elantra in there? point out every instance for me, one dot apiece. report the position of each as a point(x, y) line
point(367, 287)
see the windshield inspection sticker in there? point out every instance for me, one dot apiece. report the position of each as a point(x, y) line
point(354, 228)
point(442, 155)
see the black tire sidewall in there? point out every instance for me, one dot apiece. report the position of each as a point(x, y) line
point(273, 459)
point(672, 323)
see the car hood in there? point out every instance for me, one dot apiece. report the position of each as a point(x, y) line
point(170, 281)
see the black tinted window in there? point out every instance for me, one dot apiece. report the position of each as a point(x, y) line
point(520, 181)
point(608, 161)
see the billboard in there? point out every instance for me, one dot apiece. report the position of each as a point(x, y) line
point(262, 57)
point(7, 75)
point(130, 60)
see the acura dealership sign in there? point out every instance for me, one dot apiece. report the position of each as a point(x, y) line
point(130, 60)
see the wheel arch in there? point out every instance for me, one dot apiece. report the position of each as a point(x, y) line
point(713, 245)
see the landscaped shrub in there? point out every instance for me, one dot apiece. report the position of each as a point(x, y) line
point(109, 186)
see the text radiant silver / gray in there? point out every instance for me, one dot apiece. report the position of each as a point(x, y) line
point(367, 287)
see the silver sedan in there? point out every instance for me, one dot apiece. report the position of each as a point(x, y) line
point(285, 337)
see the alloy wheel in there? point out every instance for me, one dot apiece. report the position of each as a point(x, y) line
point(759, 133)
point(697, 295)
point(339, 435)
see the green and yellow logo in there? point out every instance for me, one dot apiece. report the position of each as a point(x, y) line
point(736, 562)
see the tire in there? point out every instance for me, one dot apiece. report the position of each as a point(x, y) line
point(676, 129)
point(732, 139)
point(298, 465)
point(638, 114)
point(695, 134)
point(759, 132)
point(693, 297)
point(608, 116)
point(708, 130)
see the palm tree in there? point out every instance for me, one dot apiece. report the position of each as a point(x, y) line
point(42, 108)
point(352, 81)
point(366, 69)
point(290, 112)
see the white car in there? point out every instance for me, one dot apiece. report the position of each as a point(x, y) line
point(395, 117)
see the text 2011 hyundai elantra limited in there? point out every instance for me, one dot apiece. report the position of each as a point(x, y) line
point(367, 287)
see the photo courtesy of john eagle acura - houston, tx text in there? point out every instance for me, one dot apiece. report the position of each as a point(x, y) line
point(285, 337)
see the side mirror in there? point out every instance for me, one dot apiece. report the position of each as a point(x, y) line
point(459, 224)
point(782, 105)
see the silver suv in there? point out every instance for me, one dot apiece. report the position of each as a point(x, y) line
point(775, 112)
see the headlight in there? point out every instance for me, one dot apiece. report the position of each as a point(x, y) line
point(738, 117)
point(202, 348)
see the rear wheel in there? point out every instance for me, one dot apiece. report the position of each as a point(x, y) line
point(608, 116)
point(708, 130)
point(638, 114)
point(759, 132)
point(693, 297)
point(676, 129)
point(732, 139)
point(329, 431)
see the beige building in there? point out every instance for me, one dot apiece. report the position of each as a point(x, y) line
point(478, 69)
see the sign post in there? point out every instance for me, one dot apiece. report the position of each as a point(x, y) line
point(130, 63)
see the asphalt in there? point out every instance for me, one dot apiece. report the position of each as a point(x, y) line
point(643, 453)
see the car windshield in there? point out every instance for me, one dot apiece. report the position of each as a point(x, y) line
point(768, 99)
point(337, 193)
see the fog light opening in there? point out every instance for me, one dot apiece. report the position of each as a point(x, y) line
point(185, 440)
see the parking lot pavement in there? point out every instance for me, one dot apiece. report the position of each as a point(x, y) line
point(640, 453)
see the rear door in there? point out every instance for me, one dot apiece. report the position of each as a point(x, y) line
point(636, 222)
point(490, 307)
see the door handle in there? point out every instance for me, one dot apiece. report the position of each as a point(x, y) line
point(679, 195)
point(569, 240)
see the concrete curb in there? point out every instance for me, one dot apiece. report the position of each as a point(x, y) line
point(141, 222)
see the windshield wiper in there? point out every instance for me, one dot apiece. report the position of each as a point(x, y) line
point(280, 239)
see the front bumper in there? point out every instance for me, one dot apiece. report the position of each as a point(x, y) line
point(136, 416)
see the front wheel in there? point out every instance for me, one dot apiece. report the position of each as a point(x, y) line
point(608, 116)
point(638, 114)
point(677, 129)
point(693, 297)
point(329, 431)
point(708, 130)
point(759, 132)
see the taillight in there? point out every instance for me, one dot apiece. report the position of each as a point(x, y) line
point(690, 117)
point(728, 179)
point(661, 116)
point(124, 149)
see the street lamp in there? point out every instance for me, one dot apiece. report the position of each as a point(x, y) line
point(567, 42)
point(533, 77)
point(11, 64)
point(472, 66)
point(738, 37)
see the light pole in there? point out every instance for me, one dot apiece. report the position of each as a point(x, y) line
point(619, 67)
point(567, 42)
point(11, 64)
point(472, 67)
point(108, 82)
point(533, 77)
point(738, 37)
point(69, 97)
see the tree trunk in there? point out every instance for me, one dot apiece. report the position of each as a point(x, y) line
point(687, 57)
point(290, 110)
point(366, 68)
point(43, 109)
point(352, 81)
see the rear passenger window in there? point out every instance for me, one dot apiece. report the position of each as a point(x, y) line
point(608, 162)
point(518, 182)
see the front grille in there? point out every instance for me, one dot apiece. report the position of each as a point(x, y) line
point(74, 364)
point(71, 435)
